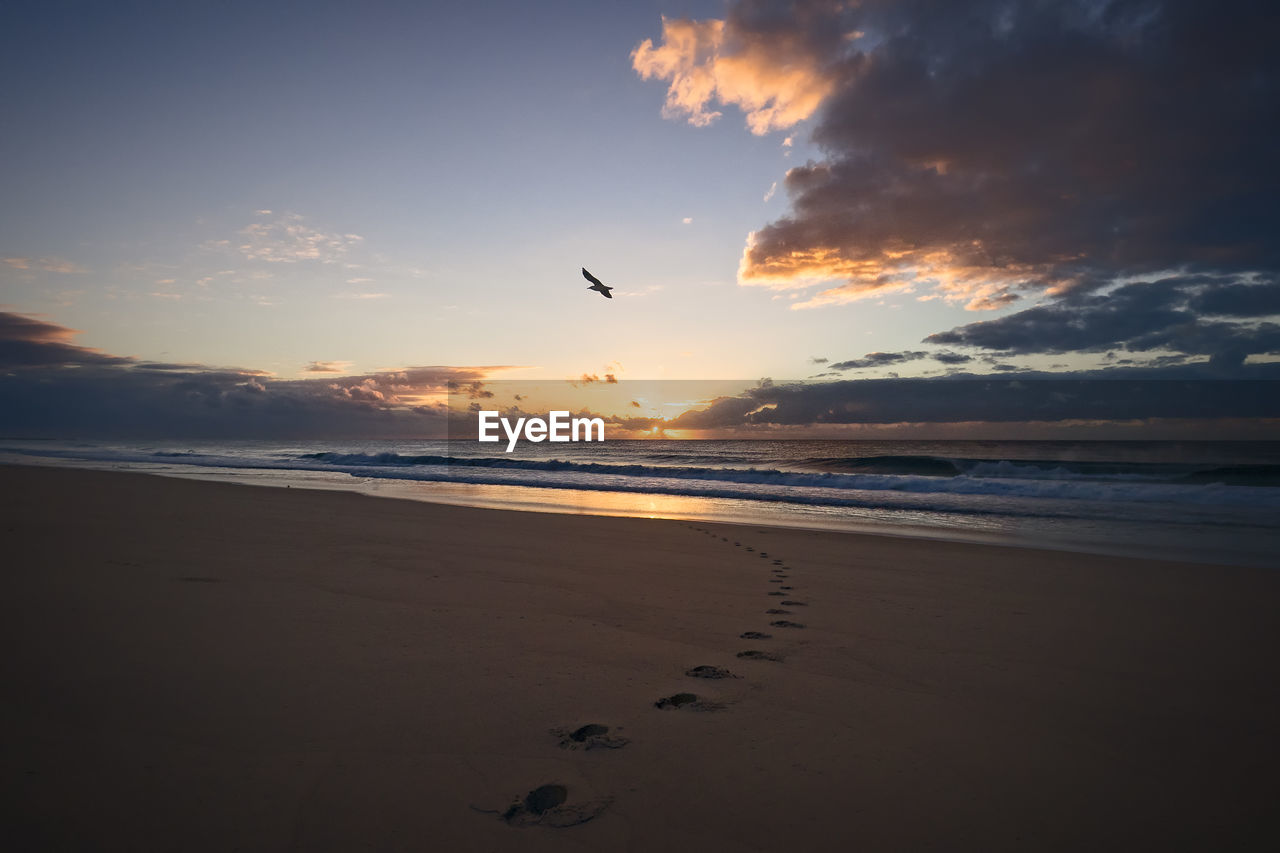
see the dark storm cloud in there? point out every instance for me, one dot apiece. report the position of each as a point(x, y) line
point(50, 387)
point(990, 151)
point(1239, 300)
point(1140, 317)
point(993, 148)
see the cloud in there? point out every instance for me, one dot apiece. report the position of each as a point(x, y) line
point(51, 387)
point(773, 188)
point(326, 366)
point(1169, 314)
point(590, 378)
point(26, 342)
point(1238, 300)
point(987, 151)
point(290, 240)
point(767, 65)
point(168, 365)
point(878, 359)
point(474, 390)
point(884, 359)
point(58, 265)
point(688, 220)
point(360, 295)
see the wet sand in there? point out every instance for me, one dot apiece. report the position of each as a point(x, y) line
point(203, 666)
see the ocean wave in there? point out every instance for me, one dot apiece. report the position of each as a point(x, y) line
point(1014, 493)
point(1084, 481)
point(1054, 469)
point(1215, 505)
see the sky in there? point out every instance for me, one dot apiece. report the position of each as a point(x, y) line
point(329, 211)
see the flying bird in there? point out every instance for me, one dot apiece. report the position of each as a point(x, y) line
point(597, 285)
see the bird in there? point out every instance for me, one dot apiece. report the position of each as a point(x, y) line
point(597, 285)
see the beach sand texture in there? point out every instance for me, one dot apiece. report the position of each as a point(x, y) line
point(203, 666)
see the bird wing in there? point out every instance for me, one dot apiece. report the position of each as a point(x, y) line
point(607, 294)
point(589, 277)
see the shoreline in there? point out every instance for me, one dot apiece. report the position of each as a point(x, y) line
point(1179, 546)
point(202, 666)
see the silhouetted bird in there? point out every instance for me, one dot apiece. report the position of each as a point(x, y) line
point(597, 285)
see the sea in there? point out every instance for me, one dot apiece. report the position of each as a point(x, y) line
point(1211, 502)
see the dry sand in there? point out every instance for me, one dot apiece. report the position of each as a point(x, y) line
point(201, 666)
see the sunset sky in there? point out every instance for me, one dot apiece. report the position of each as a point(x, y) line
point(360, 202)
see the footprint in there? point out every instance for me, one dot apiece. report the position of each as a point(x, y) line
point(590, 736)
point(755, 635)
point(738, 544)
point(783, 623)
point(544, 798)
point(787, 588)
point(750, 549)
point(755, 654)
point(548, 805)
point(686, 700)
point(777, 562)
point(676, 701)
point(795, 604)
point(775, 580)
point(776, 592)
point(764, 554)
point(778, 611)
point(706, 671)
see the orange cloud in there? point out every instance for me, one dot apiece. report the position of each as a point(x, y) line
point(776, 80)
point(950, 275)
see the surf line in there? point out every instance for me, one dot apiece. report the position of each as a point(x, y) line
point(560, 427)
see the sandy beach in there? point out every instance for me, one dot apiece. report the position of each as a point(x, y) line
point(203, 666)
